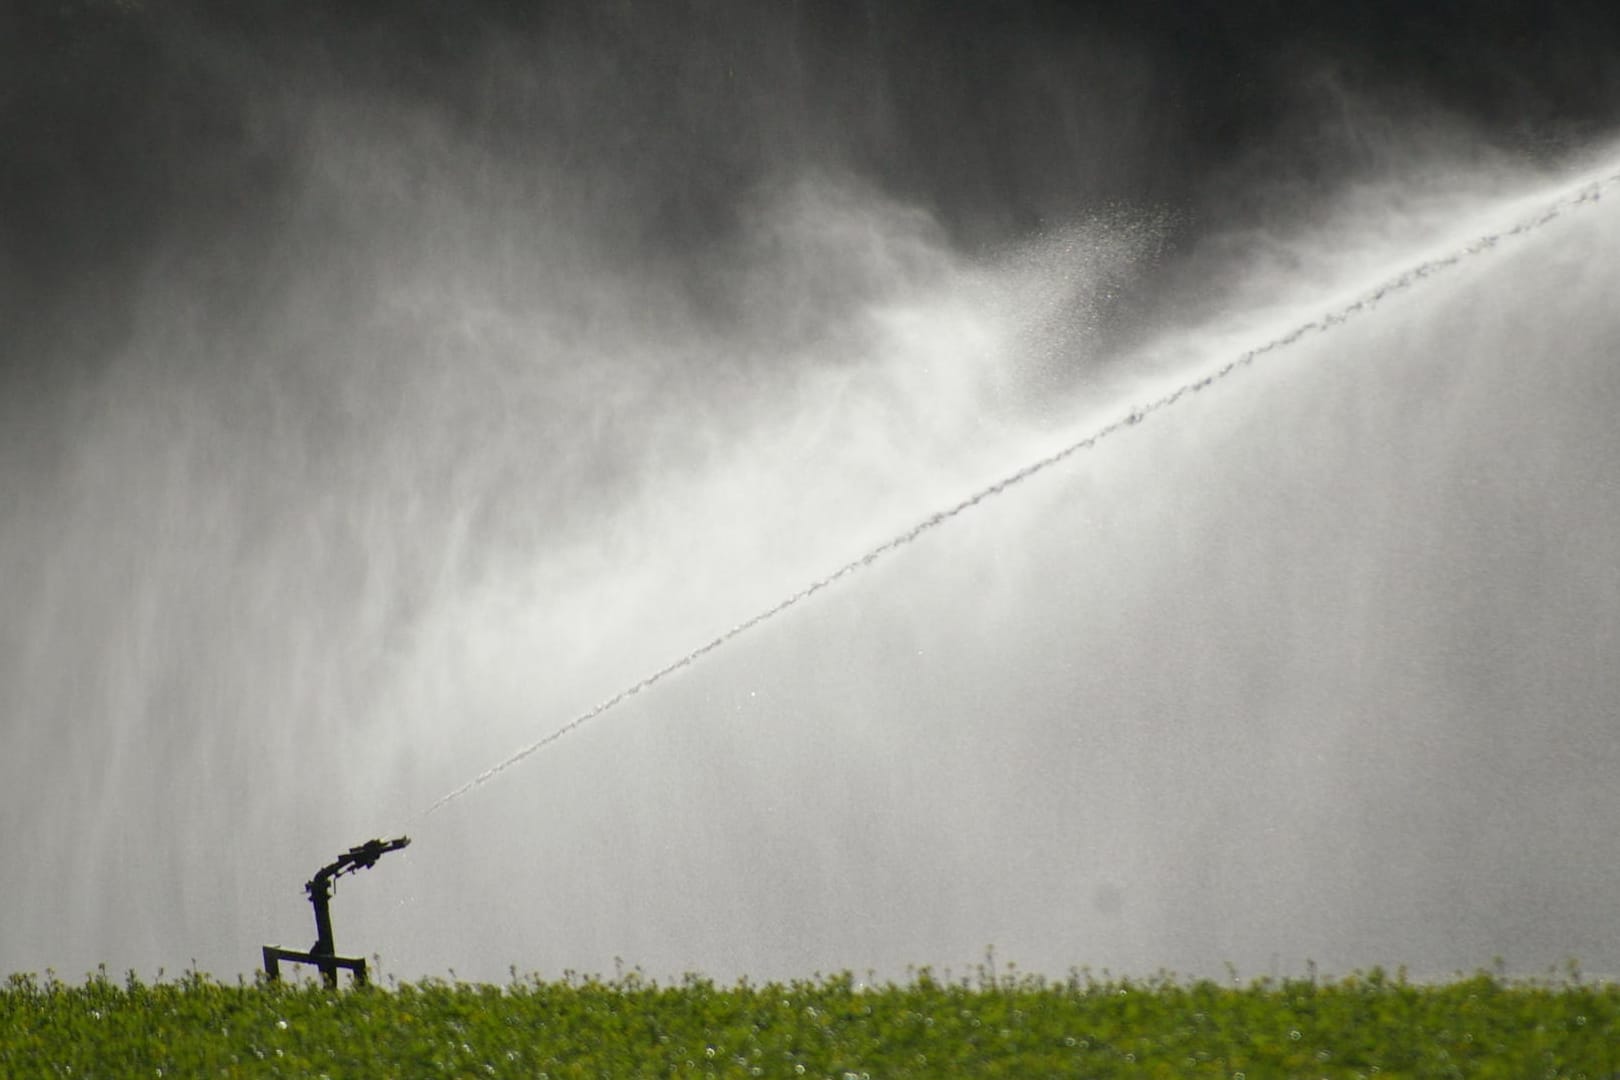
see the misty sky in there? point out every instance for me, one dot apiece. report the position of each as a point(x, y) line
point(132, 128)
point(383, 386)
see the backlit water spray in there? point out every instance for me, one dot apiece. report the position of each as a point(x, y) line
point(1588, 192)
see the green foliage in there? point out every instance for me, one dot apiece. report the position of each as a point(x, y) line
point(996, 1025)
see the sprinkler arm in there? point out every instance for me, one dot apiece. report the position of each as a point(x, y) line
point(319, 888)
point(361, 857)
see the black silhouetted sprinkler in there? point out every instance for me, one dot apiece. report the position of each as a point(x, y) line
point(323, 954)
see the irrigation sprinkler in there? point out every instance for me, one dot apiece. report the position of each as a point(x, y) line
point(323, 954)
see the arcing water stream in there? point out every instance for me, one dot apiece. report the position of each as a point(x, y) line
point(1588, 192)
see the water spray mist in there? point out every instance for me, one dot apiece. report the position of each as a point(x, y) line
point(1587, 193)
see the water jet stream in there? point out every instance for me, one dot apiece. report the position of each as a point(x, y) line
point(1587, 193)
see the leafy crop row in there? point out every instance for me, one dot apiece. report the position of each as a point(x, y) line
point(1362, 1026)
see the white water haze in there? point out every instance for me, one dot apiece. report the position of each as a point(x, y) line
point(1316, 663)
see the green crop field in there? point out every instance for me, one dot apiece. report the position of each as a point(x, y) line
point(991, 1025)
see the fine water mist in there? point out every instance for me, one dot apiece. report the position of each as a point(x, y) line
point(1115, 594)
